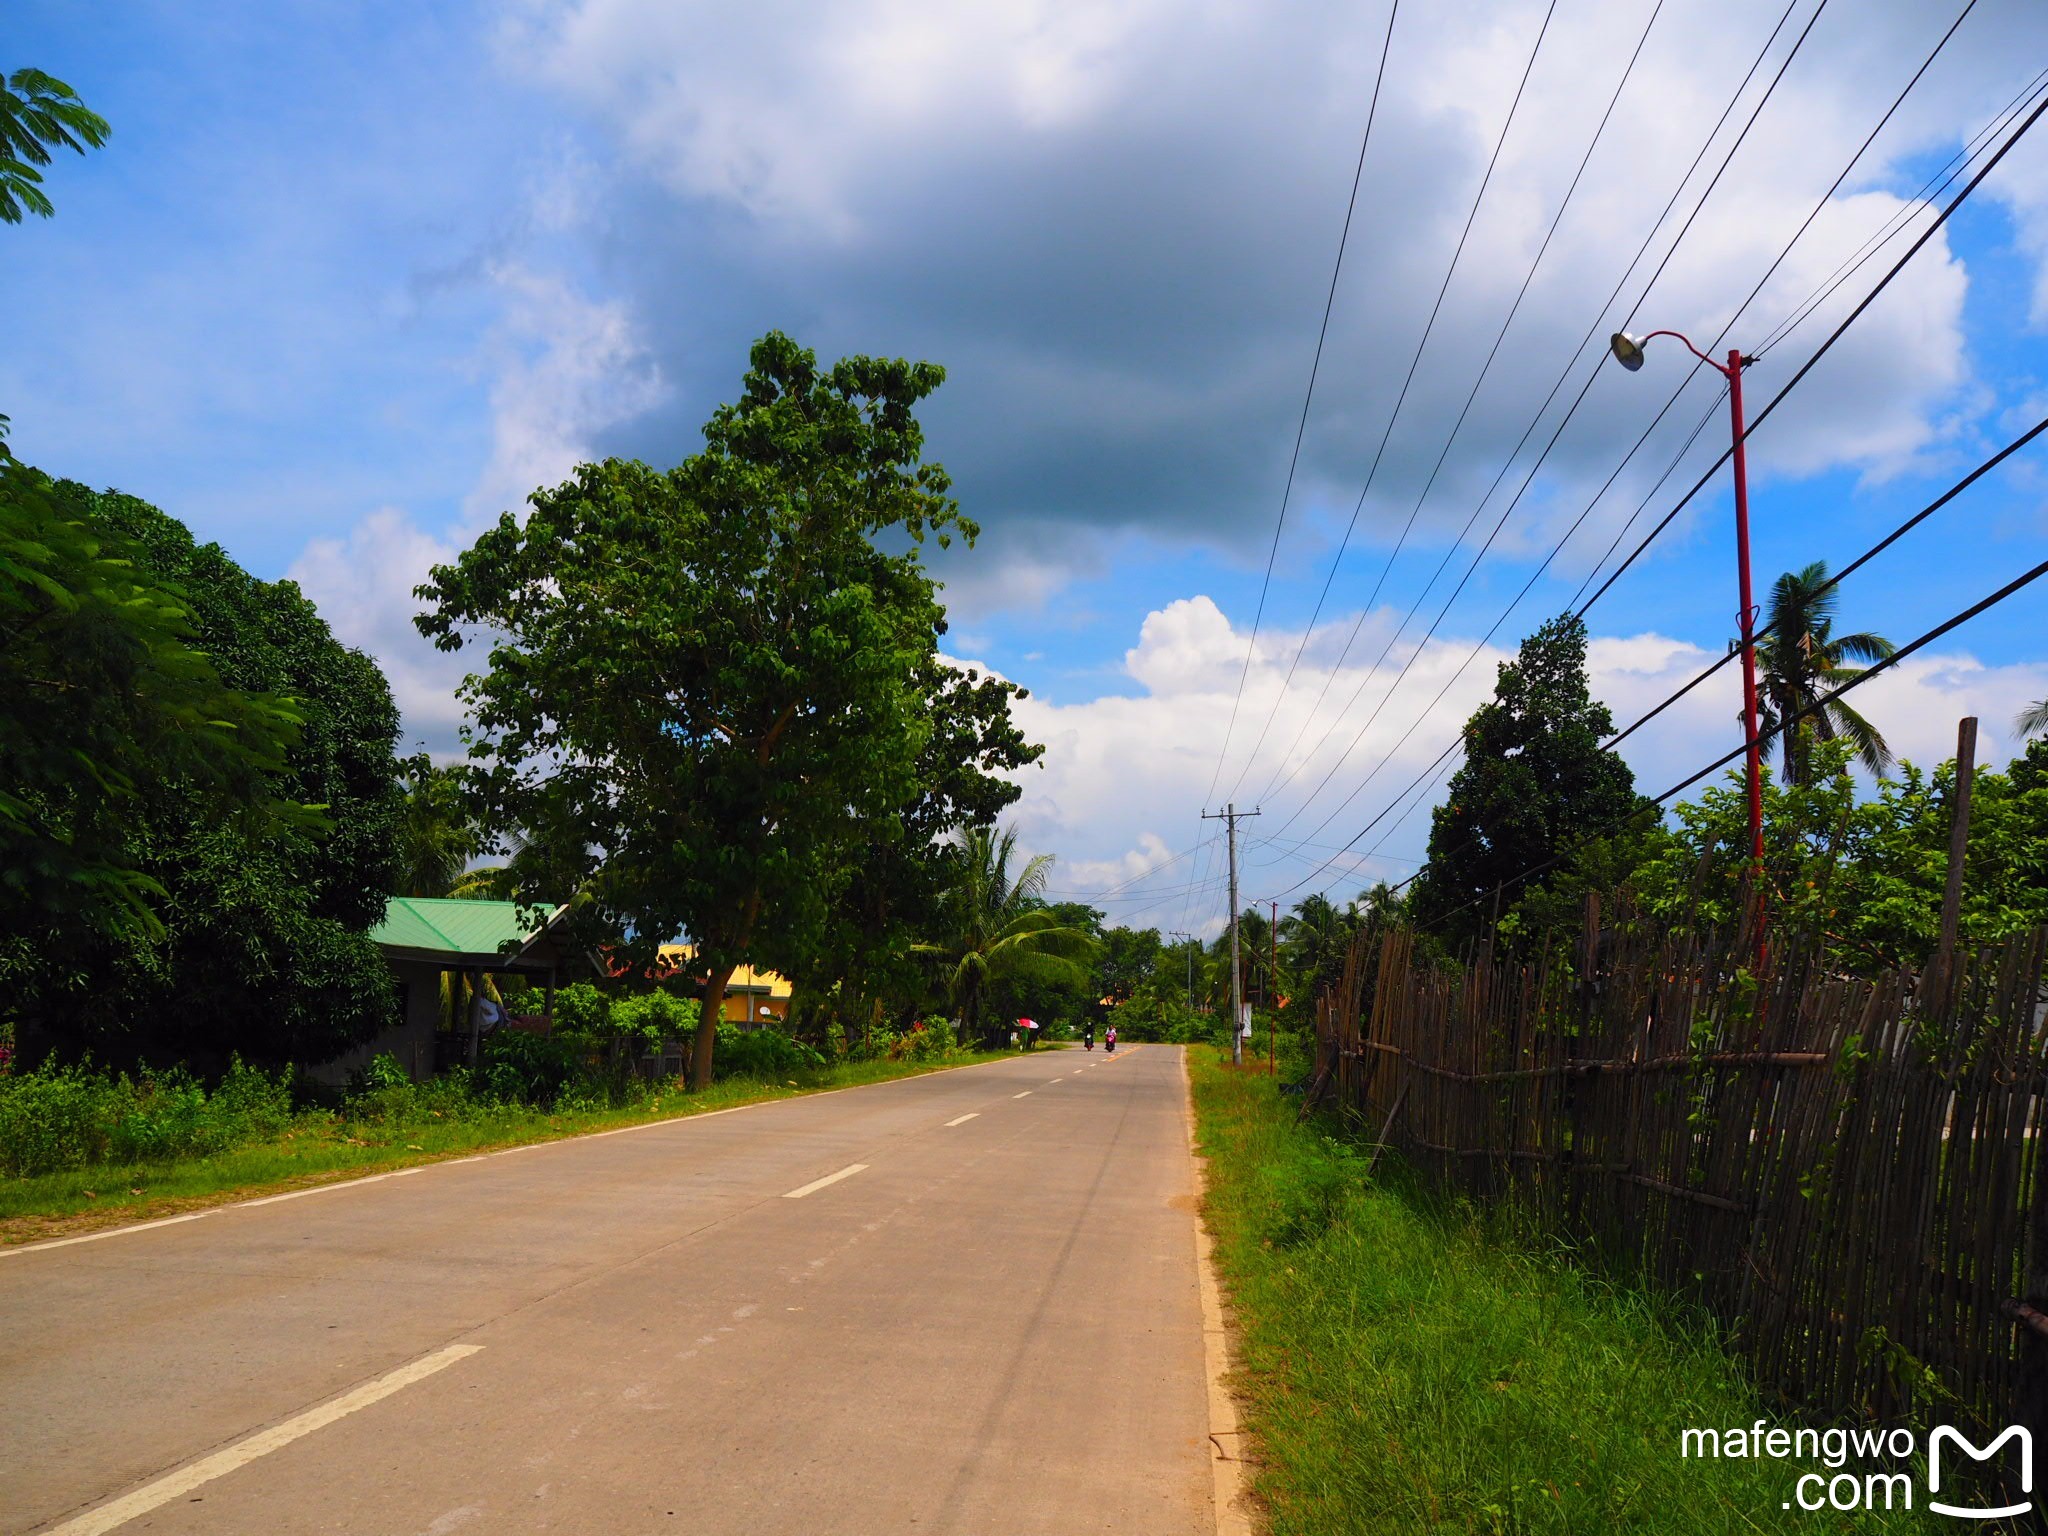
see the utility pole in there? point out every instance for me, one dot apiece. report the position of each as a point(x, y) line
point(1189, 940)
point(1231, 815)
point(1628, 351)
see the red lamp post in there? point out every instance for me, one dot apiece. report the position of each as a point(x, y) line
point(1628, 351)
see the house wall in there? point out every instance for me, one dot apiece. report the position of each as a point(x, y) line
point(411, 1040)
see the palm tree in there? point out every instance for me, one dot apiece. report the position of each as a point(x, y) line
point(1314, 940)
point(1802, 659)
point(37, 112)
point(2032, 721)
point(1000, 927)
point(436, 838)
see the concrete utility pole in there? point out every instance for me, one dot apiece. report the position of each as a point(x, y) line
point(1231, 815)
point(1189, 940)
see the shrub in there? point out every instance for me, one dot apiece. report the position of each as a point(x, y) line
point(763, 1053)
point(927, 1040)
point(652, 1017)
point(580, 1009)
point(52, 1118)
point(60, 1117)
point(518, 1068)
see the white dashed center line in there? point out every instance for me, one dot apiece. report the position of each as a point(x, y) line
point(1024, 1095)
point(963, 1119)
point(831, 1178)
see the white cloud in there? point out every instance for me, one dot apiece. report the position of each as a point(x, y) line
point(563, 368)
point(1123, 775)
point(1113, 219)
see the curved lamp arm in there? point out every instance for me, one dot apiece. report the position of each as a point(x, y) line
point(1628, 350)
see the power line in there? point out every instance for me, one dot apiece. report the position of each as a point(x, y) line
point(1933, 187)
point(1775, 400)
point(1401, 399)
point(1830, 584)
point(1301, 427)
point(1564, 375)
point(1443, 456)
point(1850, 569)
point(1822, 351)
point(1791, 720)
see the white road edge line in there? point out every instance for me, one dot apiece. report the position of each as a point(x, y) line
point(1226, 1468)
point(9, 1250)
point(831, 1178)
point(176, 1484)
point(963, 1119)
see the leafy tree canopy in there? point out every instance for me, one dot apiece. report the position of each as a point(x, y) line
point(263, 945)
point(106, 695)
point(1533, 784)
point(711, 680)
point(38, 114)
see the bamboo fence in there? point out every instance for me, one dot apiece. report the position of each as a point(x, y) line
point(1846, 1172)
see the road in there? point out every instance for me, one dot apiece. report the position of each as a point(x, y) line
point(965, 1302)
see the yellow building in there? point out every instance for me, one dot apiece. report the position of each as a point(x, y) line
point(752, 997)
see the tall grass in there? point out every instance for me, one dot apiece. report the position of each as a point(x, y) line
point(78, 1141)
point(1410, 1369)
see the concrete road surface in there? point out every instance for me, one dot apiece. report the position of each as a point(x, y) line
point(962, 1303)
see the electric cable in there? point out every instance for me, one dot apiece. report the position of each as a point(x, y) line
point(1822, 351)
point(1329, 302)
point(1443, 456)
point(1762, 737)
point(1891, 538)
point(1564, 375)
point(1415, 362)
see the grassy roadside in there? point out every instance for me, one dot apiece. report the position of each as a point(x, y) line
point(328, 1150)
point(1405, 1371)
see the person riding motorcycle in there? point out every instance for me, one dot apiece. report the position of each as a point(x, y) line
point(1088, 1037)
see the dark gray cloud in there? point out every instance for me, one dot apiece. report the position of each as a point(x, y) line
point(1113, 224)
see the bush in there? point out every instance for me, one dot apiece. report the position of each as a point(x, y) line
point(60, 1117)
point(763, 1053)
point(580, 1009)
point(518, 1068)
point(927, 1040)
point(652, 1017)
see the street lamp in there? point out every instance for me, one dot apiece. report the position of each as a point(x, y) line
point(1628, 351)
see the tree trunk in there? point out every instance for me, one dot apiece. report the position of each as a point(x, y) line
point(707, 1027)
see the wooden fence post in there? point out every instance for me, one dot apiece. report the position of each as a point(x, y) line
point(1568, 1087)
point(1958, 850)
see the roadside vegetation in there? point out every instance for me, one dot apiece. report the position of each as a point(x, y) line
point(85, 1147)
point(1415, 1368)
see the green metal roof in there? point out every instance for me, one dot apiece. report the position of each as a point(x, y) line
point(451, 926)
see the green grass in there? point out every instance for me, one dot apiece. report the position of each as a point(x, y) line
point(1409, 1369)
point(320, 1148)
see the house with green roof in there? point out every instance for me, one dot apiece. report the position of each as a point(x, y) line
point(422, 938)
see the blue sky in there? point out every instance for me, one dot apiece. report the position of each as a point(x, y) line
point(348, 281)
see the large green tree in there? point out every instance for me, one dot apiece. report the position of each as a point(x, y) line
point(1534, 783)
point(106, 696)
point(1801, 660)
point(895, 891)
point(262, 940)
point(716, 680)
point(37, 114)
